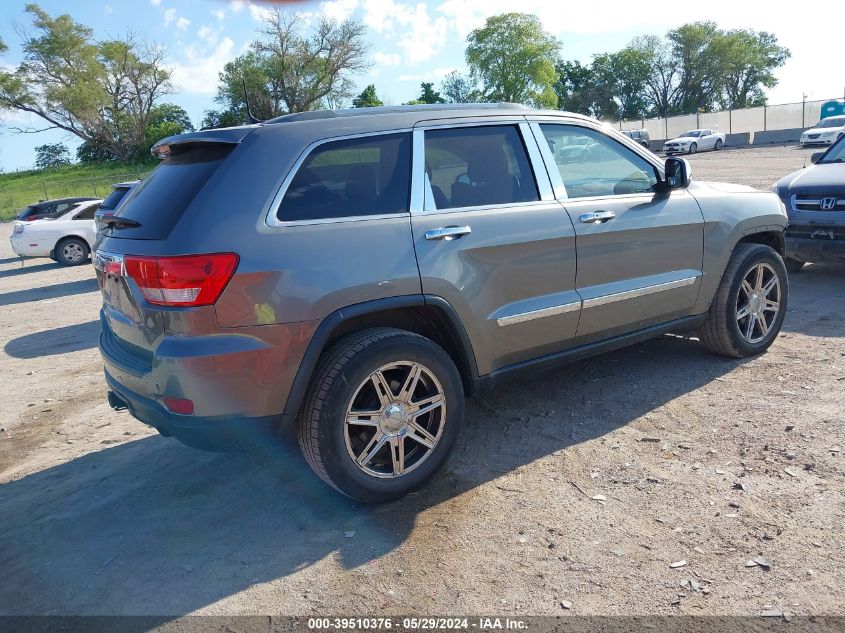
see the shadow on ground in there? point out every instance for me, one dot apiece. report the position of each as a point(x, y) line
point(153, 527)
point(60, 340)
point(25, 270)
point(817, 301)
point(56, 291)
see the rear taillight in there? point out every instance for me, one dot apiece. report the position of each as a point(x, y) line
point(184, 280)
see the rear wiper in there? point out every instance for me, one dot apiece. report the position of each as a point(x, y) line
point(117, 222)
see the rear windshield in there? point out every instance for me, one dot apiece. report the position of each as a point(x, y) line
point(113, 199)
point(159, 201)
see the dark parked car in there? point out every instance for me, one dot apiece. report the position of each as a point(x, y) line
point(112, 201)
point(360, 272)
point(640, 136)
point(815, 203)
point(46, 208)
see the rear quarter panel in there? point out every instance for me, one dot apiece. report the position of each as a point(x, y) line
point(731, 212)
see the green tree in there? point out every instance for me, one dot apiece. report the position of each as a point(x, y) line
point(458, 88)
point(575, 87)
point(618, 80)
point(747, 60)
point(166, 119)
point(661, 84)
point(428, 94)
point(293, 67)
point(699, 81)
point(87, 153)
point(367, 99)
point(51, 155)
point(221, 118)
point(513, 59)
point(100, 91)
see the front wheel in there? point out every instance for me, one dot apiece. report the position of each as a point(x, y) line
point(718, 145)
point(750, 304)
point(72, 251)
point(382, 414)
point(693, 148)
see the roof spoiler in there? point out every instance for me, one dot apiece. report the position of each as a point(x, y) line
point(181, 142)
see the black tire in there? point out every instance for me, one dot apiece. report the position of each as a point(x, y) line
point(693, 148)
point(718, 145)
point(721, 331)
point(72, 251)
point(344, 369)
point(793, 265)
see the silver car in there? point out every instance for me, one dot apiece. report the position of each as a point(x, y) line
point(361, 272)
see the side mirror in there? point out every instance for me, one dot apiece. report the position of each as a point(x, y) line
point(678, 173)
point(815, 157)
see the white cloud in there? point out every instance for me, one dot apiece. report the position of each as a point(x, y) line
point(208, 34)
point(199, 73)
point(220, 14)
point(385, 59)
point(339, 10)
point(182, 23)
point(237, 5)
point(155, 3)
point(259, 12)
point(417, 33)
point(169, 16)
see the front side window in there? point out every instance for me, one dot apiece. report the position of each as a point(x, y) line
point(87, 213)
point(591, 164)
point(477, 166)
point(352, 177)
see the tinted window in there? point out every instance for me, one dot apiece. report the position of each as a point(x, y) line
point(87, 213)
point(475, 166)
point(353, 177)
point(159, 201)
point(591, 164)
point(113, 199)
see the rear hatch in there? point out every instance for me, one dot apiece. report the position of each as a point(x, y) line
point(145, 295)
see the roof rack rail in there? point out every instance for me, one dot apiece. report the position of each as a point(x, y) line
point(350, 112)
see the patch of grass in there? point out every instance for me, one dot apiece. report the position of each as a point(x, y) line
point(21, 188)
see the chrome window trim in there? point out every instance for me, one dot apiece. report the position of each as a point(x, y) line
point(522, 317)
point(271, 219)
point(422, 198)
point(638, 292)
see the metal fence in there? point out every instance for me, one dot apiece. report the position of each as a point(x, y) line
point(785, 116)
point(34, 186)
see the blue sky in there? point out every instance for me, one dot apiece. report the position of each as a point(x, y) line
point(414, 41)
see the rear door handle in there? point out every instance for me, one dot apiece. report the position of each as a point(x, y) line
point(597, 217)
point(447, 233)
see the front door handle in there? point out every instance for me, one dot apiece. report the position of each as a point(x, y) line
point(597, 217)
point(447, 233)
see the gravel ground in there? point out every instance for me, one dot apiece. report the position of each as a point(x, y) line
point(583, 485)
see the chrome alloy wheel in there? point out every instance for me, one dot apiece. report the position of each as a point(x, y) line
point(758, 302)
point(73, 252)
point(395, 419)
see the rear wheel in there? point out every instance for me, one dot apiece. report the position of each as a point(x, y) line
point(693, 148)
point(793, 265)
point(718, 145)
point(383, 412)
point(71, 251)
point(750, 304)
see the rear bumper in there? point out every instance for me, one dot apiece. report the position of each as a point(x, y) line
point(221, 433)
point(815, 249)
point(24, 247)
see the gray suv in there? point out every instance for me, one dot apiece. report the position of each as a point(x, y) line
point(361, 272)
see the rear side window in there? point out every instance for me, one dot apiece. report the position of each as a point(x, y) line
point(353, 177)
point(476, 166)
point(87, 213)
point(159, 201)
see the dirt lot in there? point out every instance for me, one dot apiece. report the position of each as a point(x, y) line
point(101, 516)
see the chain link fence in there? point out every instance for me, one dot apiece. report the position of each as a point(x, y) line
point(31, 187)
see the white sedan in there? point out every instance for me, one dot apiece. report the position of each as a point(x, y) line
point(66, 238)
point(693, 141)
point(826, 132)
